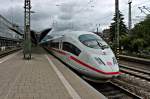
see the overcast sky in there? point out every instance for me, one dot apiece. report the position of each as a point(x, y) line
point(70, 14)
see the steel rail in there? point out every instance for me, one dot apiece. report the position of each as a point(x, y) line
point(8, 52)
point(135, 59)
point(135, 72)
point(133, 95)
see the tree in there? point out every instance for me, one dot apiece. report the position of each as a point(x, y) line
point(123, 29)
point(125, 42)
point(141, 35)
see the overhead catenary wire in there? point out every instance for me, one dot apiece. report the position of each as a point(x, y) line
point(147, 9)
point(133, 7)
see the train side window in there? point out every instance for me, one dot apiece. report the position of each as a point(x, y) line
point(55, 44)
point(71, 48)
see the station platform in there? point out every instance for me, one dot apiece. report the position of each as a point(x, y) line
point(42, 77)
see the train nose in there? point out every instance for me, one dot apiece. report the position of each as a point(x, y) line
point(107, 64)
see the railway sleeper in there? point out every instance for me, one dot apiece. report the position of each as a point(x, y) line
point(135, 69)
point(137, 74)
point(144, 84)
point(132, 88)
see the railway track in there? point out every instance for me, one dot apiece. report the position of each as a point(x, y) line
point(137, 67)
point(113, 90)
point(136, 75)
point(135, 80)
point(134, 87)
point(143, 74)
point(135, 59)
point(5, 53)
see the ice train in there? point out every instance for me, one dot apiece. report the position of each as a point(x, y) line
point(85, 52)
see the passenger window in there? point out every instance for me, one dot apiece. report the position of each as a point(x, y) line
point(55, 44)
point(71, 48)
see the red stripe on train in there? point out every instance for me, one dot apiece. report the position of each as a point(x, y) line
point(84, 64)
point(92, 68)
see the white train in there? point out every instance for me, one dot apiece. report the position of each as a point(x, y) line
point(85, 52)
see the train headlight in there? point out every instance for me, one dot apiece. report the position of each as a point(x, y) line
point(114, 60)
point(99, 61)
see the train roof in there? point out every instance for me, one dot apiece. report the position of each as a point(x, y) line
point(52, 35)
point(69, 33)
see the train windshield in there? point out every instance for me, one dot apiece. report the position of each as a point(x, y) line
point(93, 41)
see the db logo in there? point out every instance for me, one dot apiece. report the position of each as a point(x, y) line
point(109, 63)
